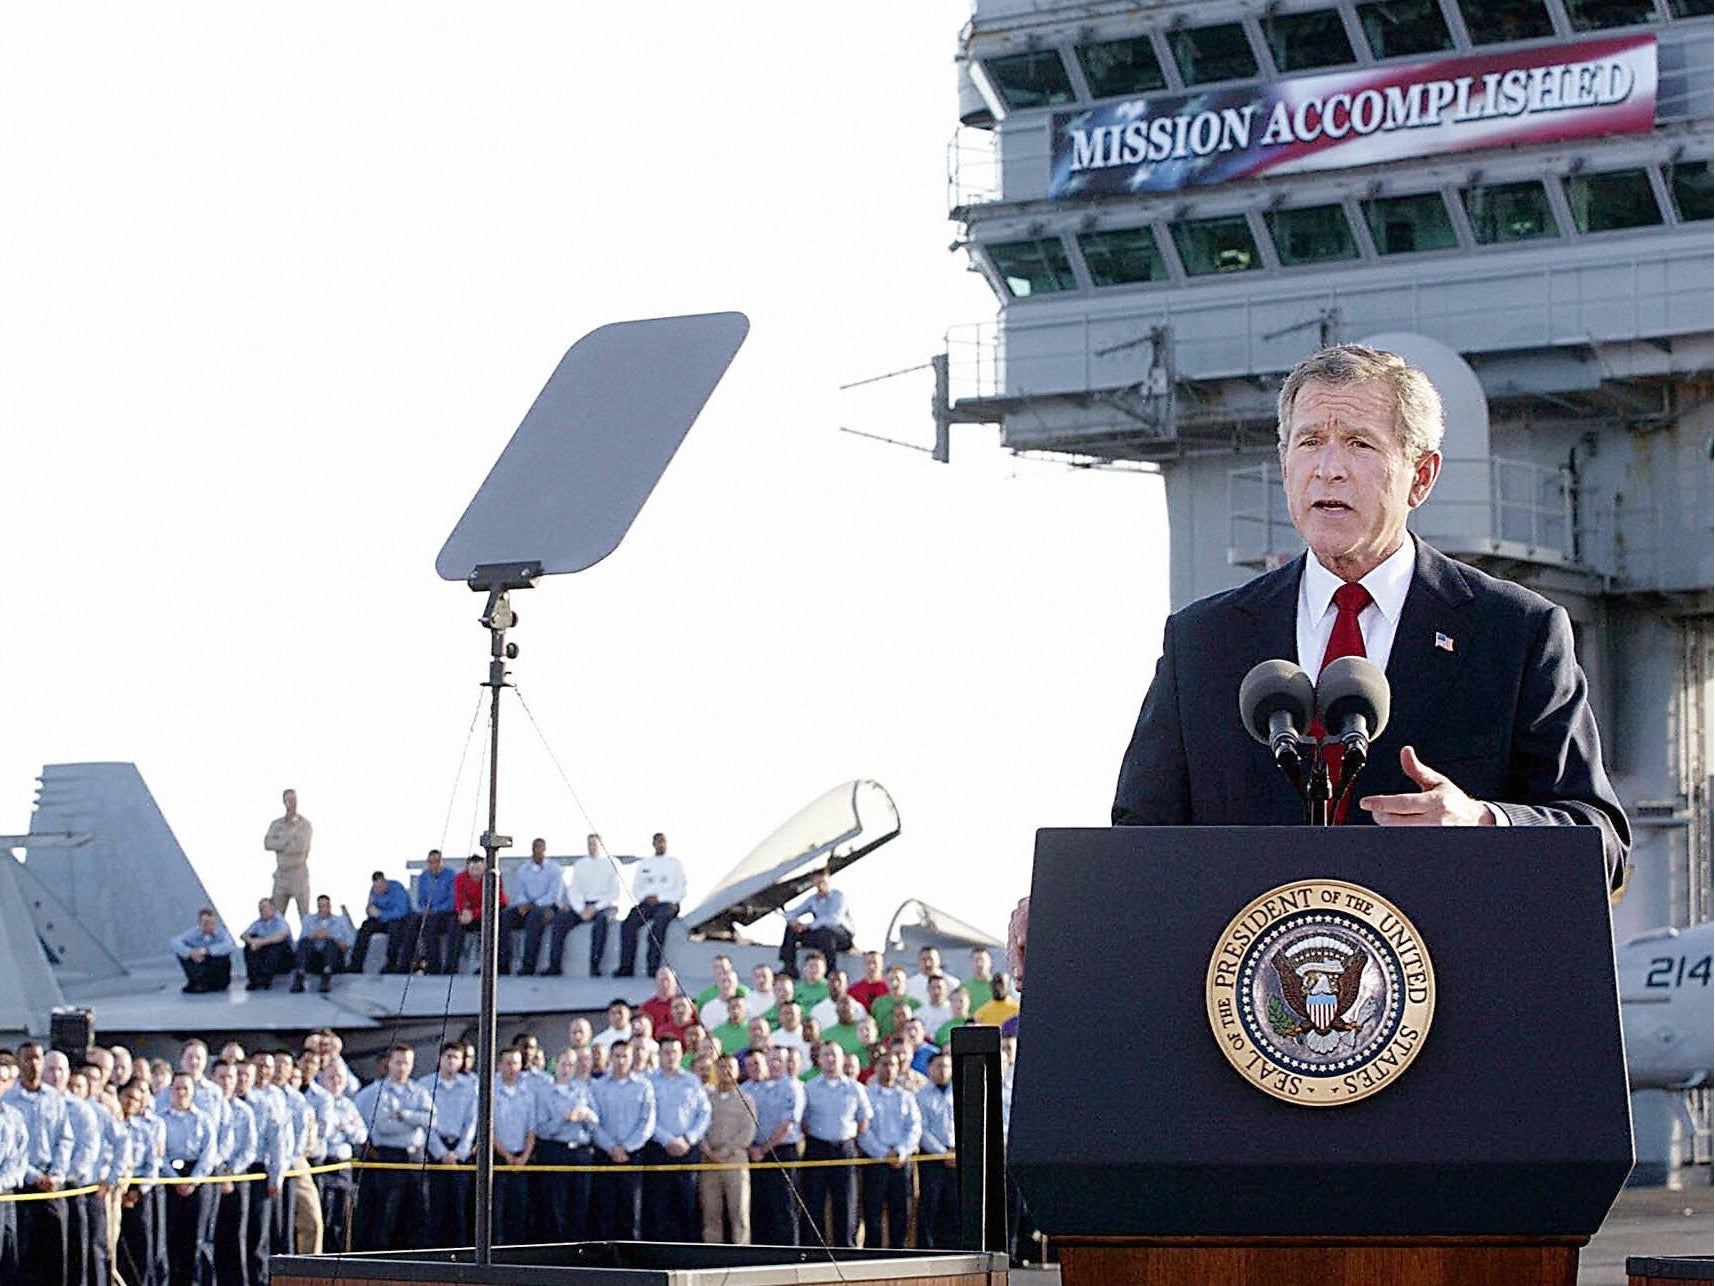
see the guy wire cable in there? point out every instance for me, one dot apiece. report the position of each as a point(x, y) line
point(619, 871)
point(405, 989)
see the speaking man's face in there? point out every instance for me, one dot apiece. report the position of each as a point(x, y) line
point(1349, 484)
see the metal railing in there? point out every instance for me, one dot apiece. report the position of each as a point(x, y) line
point(973, 168)
point(1490, 507)
point(976, 366)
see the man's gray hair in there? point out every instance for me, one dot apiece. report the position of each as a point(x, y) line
point(1420, 416)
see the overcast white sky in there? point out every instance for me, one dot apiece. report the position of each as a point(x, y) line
point(280, 283)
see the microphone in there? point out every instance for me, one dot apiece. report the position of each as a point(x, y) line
point(1276, 702)
point(1353, 697)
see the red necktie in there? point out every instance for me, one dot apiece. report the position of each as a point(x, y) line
point(1345, 640)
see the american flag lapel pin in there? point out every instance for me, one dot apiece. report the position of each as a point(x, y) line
point(1443, 641)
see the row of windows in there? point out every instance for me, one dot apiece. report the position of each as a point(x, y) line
point(1294, 42)
point(1498, 213)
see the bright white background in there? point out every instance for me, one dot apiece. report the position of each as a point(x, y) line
point(279, 284)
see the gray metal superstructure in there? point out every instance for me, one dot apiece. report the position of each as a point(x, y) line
point(1152, 320)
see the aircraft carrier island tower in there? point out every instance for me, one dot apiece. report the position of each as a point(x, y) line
point(1175, 201)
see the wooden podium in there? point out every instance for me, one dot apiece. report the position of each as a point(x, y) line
point(1490, 1158)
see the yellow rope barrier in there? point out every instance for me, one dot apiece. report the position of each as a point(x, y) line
point(56, 1195)
point(435, 1167)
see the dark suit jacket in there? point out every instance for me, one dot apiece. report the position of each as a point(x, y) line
point(1504, 714)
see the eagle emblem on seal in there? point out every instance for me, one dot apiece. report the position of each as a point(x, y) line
point(1320, 978)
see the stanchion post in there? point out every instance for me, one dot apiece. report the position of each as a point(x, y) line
point(980, 1143)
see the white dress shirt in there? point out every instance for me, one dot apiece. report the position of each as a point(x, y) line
point(1388, 584)
point(589, 879)
point(663, 876)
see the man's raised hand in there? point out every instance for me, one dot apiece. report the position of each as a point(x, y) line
point(1438, 803)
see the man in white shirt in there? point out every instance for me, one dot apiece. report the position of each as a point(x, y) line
point(618, 1025)
point(791, 1029)
point(827, 1010)
point(659, 886)
point(928, 965)
point(727, 986)
point(939, 1008)
point(588, 894)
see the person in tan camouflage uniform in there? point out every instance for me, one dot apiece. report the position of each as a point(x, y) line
point(288, 839)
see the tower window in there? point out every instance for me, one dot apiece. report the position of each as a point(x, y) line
point(1492, 21)
point(1222, 244)
point(1038, 267)
point(1206, 54)
point(1117, 67)
point(1122, 256)
point(1299, 41)
point(1510, 212)
point(1591, 15)
point(1311, 234)
point(1409, 224)
point(1396, 28)
point(1034, 79)
point(1610, 202)
point(1688, 181)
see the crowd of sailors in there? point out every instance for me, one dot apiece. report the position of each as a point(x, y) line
point(779, 1110)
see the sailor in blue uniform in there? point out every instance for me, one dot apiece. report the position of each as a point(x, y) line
point(566, 1118)
point(682, 1115)
point(836, 1112)
point(451, 1143)
point(514, 1141)
point(41, 1224)
point(398, 1112)
point(238, 1153)
point(625, 1105)
point(892, 1137)
point(937, 1181)
point(779, 1102)
point(192, 1151)
point(343, 1133)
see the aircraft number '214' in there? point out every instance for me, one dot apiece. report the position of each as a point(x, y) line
point(1670, 972)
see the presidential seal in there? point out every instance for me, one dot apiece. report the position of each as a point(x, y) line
point(1320, 993)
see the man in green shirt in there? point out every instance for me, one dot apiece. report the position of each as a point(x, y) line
point(897, 996)
point(812, 980)
point(961, 1002)
point(722, 967)
point(845, 1033)
point(734, 1033)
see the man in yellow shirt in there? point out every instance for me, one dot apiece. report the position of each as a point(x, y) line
point(1004, 1004)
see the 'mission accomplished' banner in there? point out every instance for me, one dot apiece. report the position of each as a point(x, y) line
point(1347, 118)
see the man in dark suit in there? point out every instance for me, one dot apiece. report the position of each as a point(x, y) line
point(1490, 720)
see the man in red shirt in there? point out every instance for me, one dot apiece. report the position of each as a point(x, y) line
point(659, 1007)
point(874, 982)
point(681, 1017)
point(467, 912)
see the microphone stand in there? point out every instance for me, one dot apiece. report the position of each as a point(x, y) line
point(1318, 799)
point(1351, 764)
point(1291, 757)
point(1322, 800)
